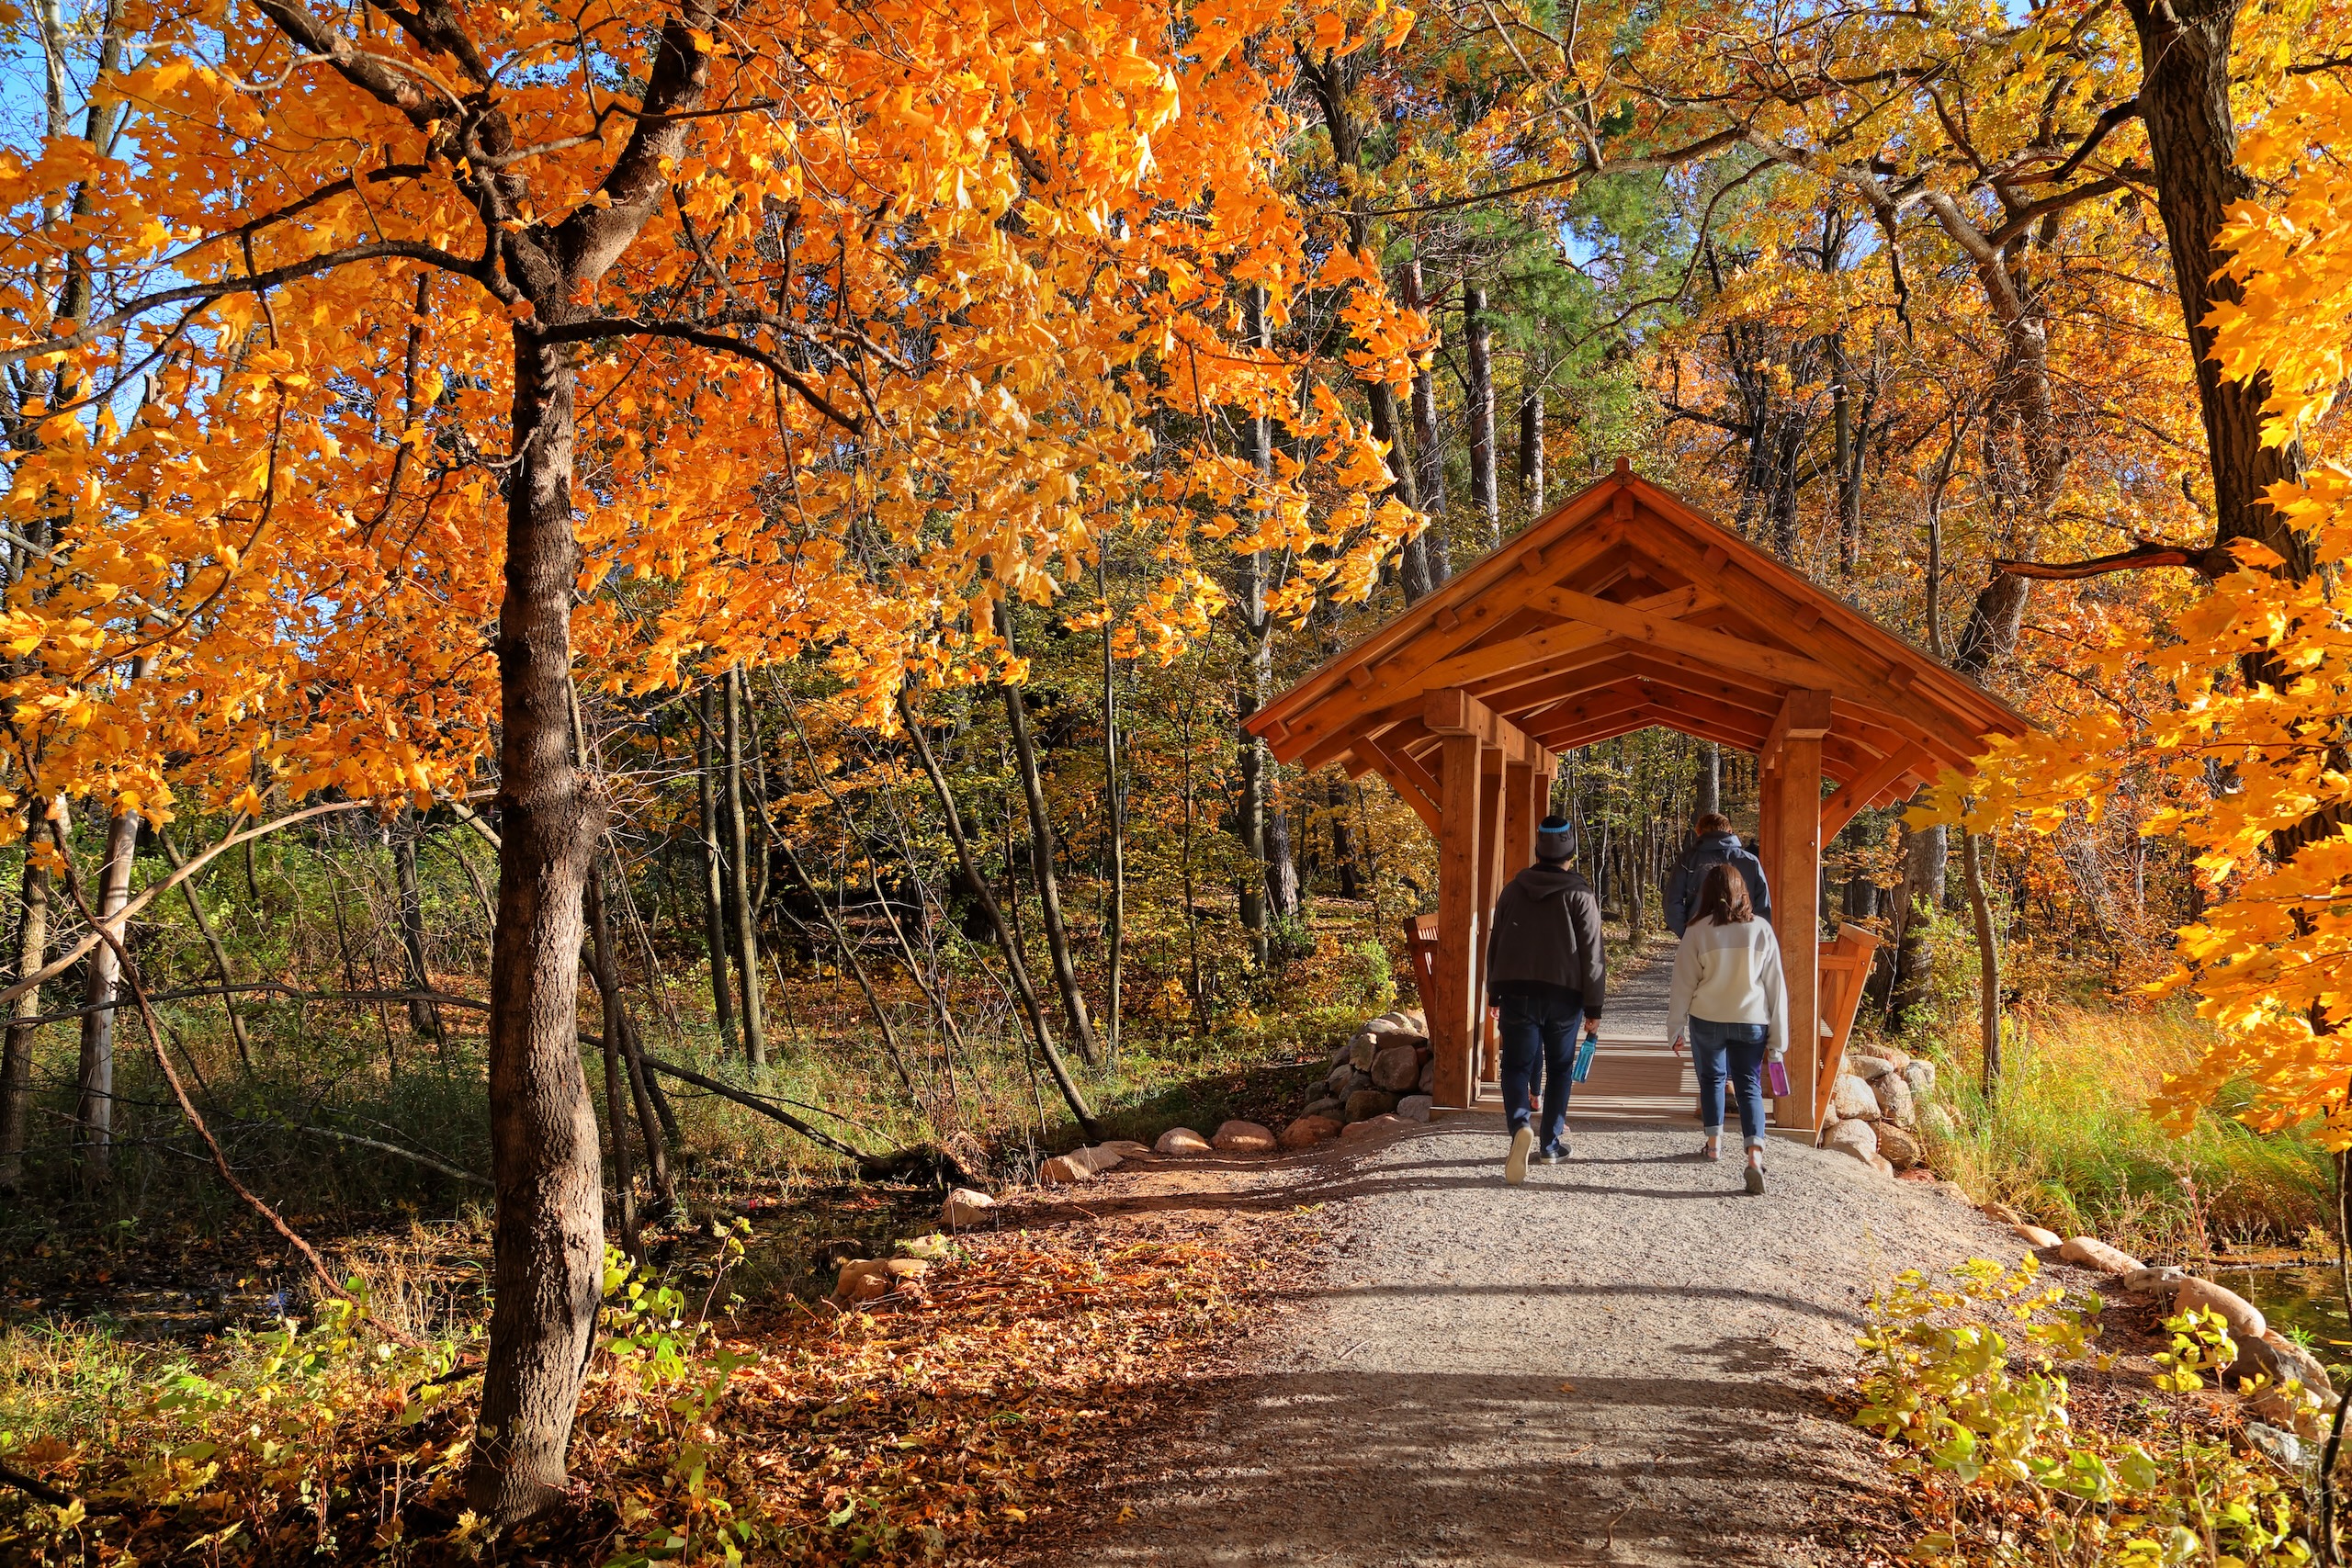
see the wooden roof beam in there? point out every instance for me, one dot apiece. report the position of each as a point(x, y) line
point(1866, 787)
point(1453, 711)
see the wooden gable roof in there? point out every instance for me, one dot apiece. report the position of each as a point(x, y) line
point(1625, 608)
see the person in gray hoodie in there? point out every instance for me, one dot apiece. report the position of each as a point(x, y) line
point(1712, 843)
point(1547, 971)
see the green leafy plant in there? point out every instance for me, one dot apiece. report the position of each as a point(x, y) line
point(2008, 1477)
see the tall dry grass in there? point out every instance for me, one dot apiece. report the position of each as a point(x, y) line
point(2068, 1139)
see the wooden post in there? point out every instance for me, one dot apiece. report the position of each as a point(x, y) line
point(1452, 1015)
point(1522, 786)
point(1493, 774)
point(1795, 870)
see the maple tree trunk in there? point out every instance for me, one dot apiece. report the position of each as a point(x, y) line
point(1479, 339)
point(94, 1113)
point(739, 866)
point(1041, 855)
point(1022, 987)
point(547, 1247)
point(424, 1017)
point(1531, 452)
point(2192, 144)
point(714, 884)
point(218, 954)
point(1708, 784)
point(16, 1054)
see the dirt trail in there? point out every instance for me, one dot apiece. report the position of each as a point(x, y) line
point(1623, 1361)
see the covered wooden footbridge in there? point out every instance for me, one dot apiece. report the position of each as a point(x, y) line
point(1623, 609)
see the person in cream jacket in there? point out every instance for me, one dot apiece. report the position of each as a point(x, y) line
point(1730, 1002)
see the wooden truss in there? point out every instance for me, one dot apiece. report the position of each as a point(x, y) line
point(1624, 609)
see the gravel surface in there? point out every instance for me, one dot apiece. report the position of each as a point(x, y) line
point(1625, 1360)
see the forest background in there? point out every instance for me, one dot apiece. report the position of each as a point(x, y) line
point(780, 510)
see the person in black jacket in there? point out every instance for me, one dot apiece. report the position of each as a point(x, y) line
point(1547, 971)
point(1714, 844)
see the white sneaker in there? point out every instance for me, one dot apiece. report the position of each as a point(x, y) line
point(1515, 1162)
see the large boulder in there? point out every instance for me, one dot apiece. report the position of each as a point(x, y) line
point(1126, 1148)
point(1894, 1057)
point(1937, 1123)
point(1366, 1103)
point(966, 1206)
point(1065, 1170)
point(1415, 1108)
point(1363, 1049)
point(2241, 1315)
point(1856, 1138)
point(1867, 1067)
point(1853, 1097)
point(867, 1280)
point(1901, 1149)
point(2162, 1280)
point(1326, 1107)
point(2296, 1362)
point(1920, 1076)
point(1309, 1130)
point(2255, 1358)
point(1894, 1098)
point(1370, 1126)
point(1180, 1141)
point(1243, 1138)
point(2093, 1253)
point(1395, 1069)
point(1099, 1158)
point(1426, 1083)
point(1341, 1079)
point(1880, 1164)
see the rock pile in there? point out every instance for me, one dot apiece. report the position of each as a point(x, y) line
point(1879, 1108)
point(2288, 1397)
point(1384, 1069)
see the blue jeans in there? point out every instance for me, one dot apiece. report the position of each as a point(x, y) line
point(1737, 1049)
point(1539, 1037)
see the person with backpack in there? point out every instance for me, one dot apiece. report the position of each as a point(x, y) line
point(1547, 972)
point(1730, 1000)
point(1712, 843)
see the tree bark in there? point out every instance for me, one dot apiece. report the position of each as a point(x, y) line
point(2192, 144)
point(1423, 565)
point(94, 1113)
point(1479, 339)
point(1988, 957)
point(713, 866)
point(1114, 913)
point(1428, 436)
point(16, 1056)
point(1531, 452)
point(738, 857)
point(1019, 972)
point(1343, 841)
point(1709, 787)
point(549, 1241)
point(424, 1018)
point(1271, 893)
point(1041, 855)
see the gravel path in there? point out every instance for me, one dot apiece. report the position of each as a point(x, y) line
point(1624, 1361)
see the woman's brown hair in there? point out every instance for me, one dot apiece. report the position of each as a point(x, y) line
point(1722, 897)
